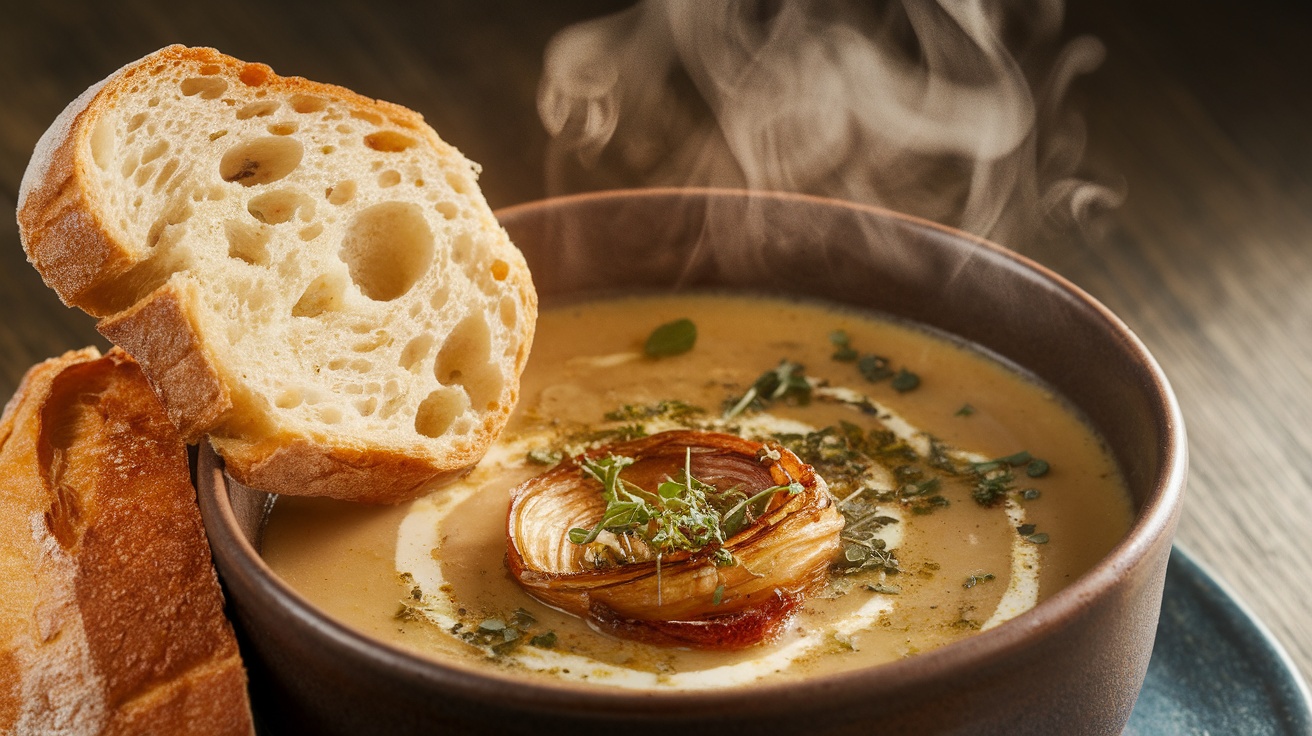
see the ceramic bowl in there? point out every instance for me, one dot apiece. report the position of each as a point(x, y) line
point(1073, 664)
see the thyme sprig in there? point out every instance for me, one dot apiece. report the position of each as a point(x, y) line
point(684, 514)
point(786, 381)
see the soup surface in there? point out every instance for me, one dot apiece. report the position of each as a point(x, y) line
point(970, 493)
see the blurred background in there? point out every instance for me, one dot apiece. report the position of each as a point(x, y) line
point(1157, 154)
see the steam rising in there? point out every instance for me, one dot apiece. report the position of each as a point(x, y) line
point(954, 111)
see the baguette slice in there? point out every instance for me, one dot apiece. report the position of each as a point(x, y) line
point(111, 618)
point(310, 277)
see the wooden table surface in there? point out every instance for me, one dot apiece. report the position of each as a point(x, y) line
point(1202, 112)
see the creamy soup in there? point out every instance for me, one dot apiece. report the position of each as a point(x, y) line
point(970, 493)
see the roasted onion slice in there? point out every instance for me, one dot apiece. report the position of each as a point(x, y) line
point(721, 596)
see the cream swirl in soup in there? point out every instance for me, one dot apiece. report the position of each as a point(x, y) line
point(969, 492)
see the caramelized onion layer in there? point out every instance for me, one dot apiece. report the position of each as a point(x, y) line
point(682, 598)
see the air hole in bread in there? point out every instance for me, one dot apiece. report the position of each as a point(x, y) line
point(168, 227)
point(466, 359)
point(258, 109)
point(277, 207)
point(419, 182)
point(341, 192)
point(218, 134)
point(372, 343)
point(290, 398)
point(102, 143)
point(344, 129)
point(414, 352)
point(389, 141)
point(165, 174)
point(261, 161)
point(389, 178)
point(142, 174)
point(134, 123)
point(254, 75)
point(129, 166)
point(324, 294)
point(449, 210)
point(247, 242)
point(367, 116)
point(500, 269)
point(310, 233)
point(308, 103)
point(154, 151)
point(509, 313)
point(439, 410)
point(439, 297)
point(366, 407)
point(387, 248)
point(210, 69)
point(284, 128)
point(330, 414)
point(208, 88)
point(457, 182)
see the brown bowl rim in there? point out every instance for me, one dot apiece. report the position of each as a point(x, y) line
point(1154, 518)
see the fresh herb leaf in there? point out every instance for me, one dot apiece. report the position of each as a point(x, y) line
point(545, 640)
point(843, 350)
point(965, 410)
point(874, 368)
point(1040, 538)
point(718, 595)
point(974, 580)
point(786, 381)
point(671, 338)
point(1036, 468)
point(672, 409)
point(905, 381)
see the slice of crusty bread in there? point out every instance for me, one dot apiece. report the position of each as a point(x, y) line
point(308, 276)
point(111, 618)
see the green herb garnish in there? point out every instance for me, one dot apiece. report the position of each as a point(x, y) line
point(545, 640)
point(683, 515)
point(993, 479)
point(842, 347)
point(545, 456)
point(785, 381)
point(974, 580)
point(965, 410)
point(671, 338)
point(905, 381)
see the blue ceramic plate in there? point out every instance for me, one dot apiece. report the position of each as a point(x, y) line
point(1215, 669)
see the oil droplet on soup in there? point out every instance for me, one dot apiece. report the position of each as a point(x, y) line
point(970, 493)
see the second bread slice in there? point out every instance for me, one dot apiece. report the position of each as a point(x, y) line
point(310, 277)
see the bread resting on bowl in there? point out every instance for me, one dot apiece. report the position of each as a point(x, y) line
point(307, 276)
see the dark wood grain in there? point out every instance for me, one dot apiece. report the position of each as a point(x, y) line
point(1203, 110)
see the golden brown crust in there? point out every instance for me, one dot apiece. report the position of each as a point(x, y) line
point(365, 475)
point(123, 630)
point(160, 334)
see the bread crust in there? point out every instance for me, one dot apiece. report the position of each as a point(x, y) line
point(153, 313)
point(118, 626)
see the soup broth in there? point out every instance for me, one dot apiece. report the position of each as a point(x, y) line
point(971, 492)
